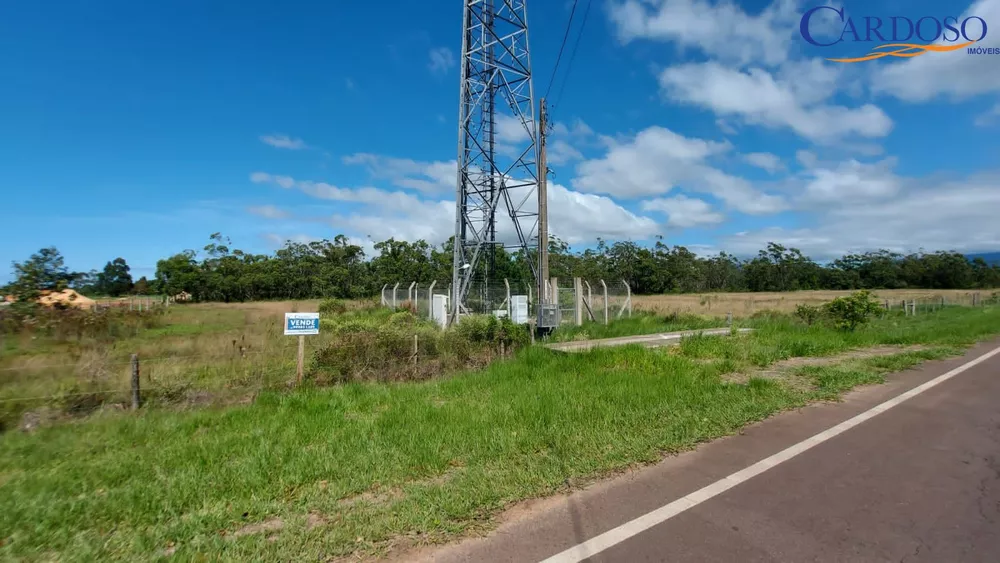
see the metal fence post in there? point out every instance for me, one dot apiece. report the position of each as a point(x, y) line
point(430, 300)
point(605, 287)
point(554, 293)
point(530, 303)
point(577, 301)
point(590, 301)
point(628, 297)
point(510, 311)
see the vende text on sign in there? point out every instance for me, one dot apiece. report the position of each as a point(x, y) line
point(301, 324)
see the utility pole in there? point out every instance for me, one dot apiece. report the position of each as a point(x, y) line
point(543, 209)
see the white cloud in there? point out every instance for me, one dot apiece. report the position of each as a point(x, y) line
point(573, 216)
point(725, 126)
point(651, 163)
point(565, 141)
point(441, 60)
point(758, 98)
point(268, 212)
point(283, 142)
point(719, 29)
point(957, 215)
point(276, 240)
point(989, 118)
point(953, 74)
point(577, 218)
point(806, 158)
point(510, 129)
point(764, 161)
point(427, 177)
point(738, 193)
point(683, 211)
point(656, 160)
point(561, 152)
point(285, 182)
point(852, 181)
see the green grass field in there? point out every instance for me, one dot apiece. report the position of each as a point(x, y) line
point(193, 354)
point(318, 473)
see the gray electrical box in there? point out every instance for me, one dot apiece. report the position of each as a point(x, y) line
point(550, 317)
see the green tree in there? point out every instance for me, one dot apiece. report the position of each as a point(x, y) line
point(115, 280)
point(43, 271)
point(142, 287)
point(180, 273)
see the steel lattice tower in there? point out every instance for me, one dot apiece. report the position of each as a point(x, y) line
point(495, 172)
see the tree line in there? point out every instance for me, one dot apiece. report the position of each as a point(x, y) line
point(341, 269)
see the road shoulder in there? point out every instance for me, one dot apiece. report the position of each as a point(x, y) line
point(542, 527)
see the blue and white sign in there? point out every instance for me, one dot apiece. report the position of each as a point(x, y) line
point(301, 324)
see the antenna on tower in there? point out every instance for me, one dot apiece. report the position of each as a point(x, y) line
point(494, 174)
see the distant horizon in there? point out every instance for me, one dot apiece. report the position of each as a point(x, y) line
point(991, 257)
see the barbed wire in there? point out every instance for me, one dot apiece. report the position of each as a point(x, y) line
point(289, 352)
point(181, 387)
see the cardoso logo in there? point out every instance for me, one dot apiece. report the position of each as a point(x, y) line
point(939, 35)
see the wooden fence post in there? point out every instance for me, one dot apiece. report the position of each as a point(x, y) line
point(136, 399)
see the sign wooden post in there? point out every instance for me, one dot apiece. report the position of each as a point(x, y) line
point(301, 325)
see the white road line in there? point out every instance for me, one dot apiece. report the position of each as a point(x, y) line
point(634, 527)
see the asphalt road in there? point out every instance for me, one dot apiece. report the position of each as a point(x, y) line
point(917, 482)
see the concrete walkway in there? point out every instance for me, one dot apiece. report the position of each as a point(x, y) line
point(648, 340)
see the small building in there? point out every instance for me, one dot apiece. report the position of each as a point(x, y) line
point(182, 297)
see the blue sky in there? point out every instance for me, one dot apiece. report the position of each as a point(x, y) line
point(136, 129)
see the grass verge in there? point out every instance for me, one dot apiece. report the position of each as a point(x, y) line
point(639, 323)
point(326, 472)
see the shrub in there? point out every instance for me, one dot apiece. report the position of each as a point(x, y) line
point(402, 318)
point(332, 307)
point(379, 346)
point(808, 313)
point(857, 309)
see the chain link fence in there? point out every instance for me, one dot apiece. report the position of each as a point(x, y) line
point(598, 300)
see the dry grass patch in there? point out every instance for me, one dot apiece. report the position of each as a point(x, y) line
point(746, 304)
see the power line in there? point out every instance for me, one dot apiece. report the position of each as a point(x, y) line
point(572, 56)
point(569, 25)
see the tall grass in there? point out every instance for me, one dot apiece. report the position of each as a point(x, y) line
point(199, 353)
point(332, 471)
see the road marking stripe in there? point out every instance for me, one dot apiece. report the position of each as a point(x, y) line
point(634, 527)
